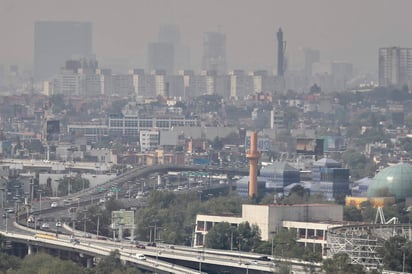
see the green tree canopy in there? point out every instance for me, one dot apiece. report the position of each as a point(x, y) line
point(340, 264)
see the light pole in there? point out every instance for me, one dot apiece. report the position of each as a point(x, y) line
point(2, 196)
point(200, 262)
point(247, 268)
point(84, 224)
point(39, 201)
point(273, 233)
point(7, 216)
point(35, 223)
point(98, 224)
point(403, 248)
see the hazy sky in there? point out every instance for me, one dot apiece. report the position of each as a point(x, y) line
point(343, 30)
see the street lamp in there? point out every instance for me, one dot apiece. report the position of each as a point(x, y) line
point(84, 224)
point(272, 233)
point(39, 191)
point(247, 268)
point(6, 216)
point(98, 224)
point(403, 248)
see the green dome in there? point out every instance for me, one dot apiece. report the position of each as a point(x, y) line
point(395, 180)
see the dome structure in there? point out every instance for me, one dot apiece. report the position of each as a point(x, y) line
point(394, 180)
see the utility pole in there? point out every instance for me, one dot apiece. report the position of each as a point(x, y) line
point(98, 224)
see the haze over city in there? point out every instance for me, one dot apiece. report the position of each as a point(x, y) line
point(349, 31)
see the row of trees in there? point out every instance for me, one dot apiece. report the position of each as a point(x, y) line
point(46, 264)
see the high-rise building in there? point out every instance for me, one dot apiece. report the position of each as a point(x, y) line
point(281, 53)
point(311, 56)
point(161, 57)
point(214, 52)
point(58, 41)
point(169, 33)
point(395, 66)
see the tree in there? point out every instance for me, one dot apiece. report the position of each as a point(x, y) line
point(249, 236)
point(110, 264)
point(76, 184)
point(340, 264)
point(46, 264)
point(217, 144)
point(315, 89)
point(352, 213)
point(218, 237)
point(8, 262)
point(393, 251)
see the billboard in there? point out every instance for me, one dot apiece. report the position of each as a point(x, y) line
point(122, 218)
point(263, 144)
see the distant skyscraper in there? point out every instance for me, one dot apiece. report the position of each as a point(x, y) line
point(281, 53)
point(312, 56)
point(214, 52)
point(161, 57)
point(395, 66)
point(55, 42)
point(170, 34)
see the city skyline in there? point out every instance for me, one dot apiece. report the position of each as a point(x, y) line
point(349, 31)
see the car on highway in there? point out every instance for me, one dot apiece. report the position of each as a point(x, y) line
point(10, 210)
point(141, 256)
point(265, 258)
point(58, 224)
point(54, 204)
point(45, 226)
point(142, 246)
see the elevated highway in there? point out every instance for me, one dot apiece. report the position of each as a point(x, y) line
point(161, 259)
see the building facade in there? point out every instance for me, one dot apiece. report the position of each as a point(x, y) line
point(395, 66)
point(311, 221)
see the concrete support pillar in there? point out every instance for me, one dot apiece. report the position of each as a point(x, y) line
point(89, 262)
point(29, 249)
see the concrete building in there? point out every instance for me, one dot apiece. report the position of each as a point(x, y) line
point(395, 66)
point(170, 33)
point(57, 41)
point(214, 52)
point(311, 57)
point(310, 220)
point(149, 140)
point(122, 85)
point(161, 57)
point(189, 80)
point(239, 84)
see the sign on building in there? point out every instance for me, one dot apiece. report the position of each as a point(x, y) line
point(263, 144)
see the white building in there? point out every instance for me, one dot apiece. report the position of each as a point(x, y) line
point(310, 220)
point(149, 140)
